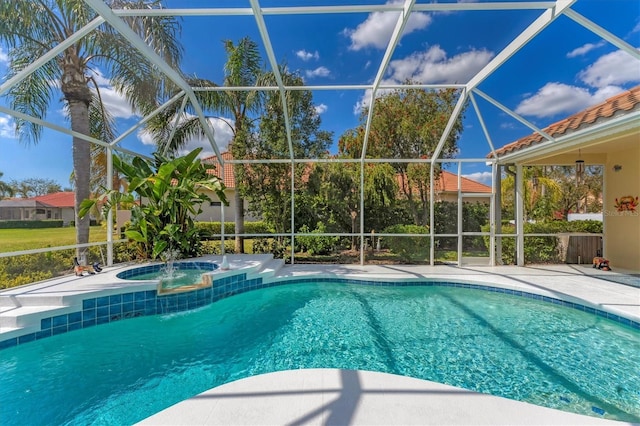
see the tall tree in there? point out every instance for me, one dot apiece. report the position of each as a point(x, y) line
point(268, 186)
point(34, 187)
point(244, 68)
point(408, 123)
point(6, 190)
point(32, 28)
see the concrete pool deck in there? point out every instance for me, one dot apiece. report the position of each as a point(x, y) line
point(348, 397)
point(338, 396)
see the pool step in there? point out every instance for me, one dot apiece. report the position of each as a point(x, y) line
point(270, 268)
point(17, 301)
point(30, 316)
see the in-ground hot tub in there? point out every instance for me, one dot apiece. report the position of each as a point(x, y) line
point(173, 276)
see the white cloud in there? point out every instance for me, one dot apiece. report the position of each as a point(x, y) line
point(306, 56)
point(221, 131)
point(482, 177)
point(4, 57)
point(318, 72)
point(376, 30)
point(116, 103)
point(7, 129)
point(433, 66)
point(558, 98)
point(579, 51)
point(617, 67)
point(321, 109)
point(607, 75)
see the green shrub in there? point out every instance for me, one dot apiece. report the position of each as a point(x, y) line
point(316, 244)
point(209, 229)
point(541, 249)
point(31, 268)
point(409, 249)
point(279, 249)
point(215, 247)
point(30, 224)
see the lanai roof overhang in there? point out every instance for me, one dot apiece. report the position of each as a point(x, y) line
point(610, 126)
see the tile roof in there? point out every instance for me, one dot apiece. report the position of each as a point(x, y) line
point(448, 182)
point(229, 180)
point(57, 199)
point(617, 105)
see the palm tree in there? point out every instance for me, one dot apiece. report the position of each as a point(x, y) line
point(242, 69)
point(31, 28)
point(6, 190)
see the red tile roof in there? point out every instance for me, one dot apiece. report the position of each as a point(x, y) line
point(57, 199)
point(617, 105)
point(228, 180)
point(448, 182)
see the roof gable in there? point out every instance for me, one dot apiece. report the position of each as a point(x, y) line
point(229, 181)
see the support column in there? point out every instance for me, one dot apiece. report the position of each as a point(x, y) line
point(519, 216)
point(110, 214)
point(495, 246)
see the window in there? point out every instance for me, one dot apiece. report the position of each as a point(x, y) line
point(215, 203)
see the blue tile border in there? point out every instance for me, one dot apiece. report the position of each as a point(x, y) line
point(105, 309)
point(184, 265)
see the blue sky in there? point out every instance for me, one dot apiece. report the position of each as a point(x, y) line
point(565, 69)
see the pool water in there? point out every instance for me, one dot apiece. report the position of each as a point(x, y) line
point(519, 348)
point(178, 278)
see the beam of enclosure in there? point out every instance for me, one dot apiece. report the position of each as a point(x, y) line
point(119, 25)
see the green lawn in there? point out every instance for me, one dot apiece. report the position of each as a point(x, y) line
point(27, 239)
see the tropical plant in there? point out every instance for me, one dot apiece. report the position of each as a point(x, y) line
point(6, 190)
point(32, 28)
point(165, 194)
point(243, 69)
point(33, 187)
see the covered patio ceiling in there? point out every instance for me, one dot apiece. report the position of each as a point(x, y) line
point(261, 13)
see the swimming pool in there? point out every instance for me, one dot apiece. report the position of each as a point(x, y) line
point(510, 346)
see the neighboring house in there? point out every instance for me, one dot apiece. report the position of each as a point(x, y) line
point(607, 134)
point(59, 205)
point(446, 188)
point(213, 211)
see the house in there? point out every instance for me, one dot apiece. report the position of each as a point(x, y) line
point(213, 211)
point(58, 205)
point(605, 134)
point(446, 188)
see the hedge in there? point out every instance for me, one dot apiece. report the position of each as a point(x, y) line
point(541, 249)
point(209, 229)
point(409, 249)
point(30, 224)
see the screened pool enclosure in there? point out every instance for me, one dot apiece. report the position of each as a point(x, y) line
point(485, 79)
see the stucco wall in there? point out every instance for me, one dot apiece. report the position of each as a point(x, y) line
point(622, 228)
point(212, 213)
